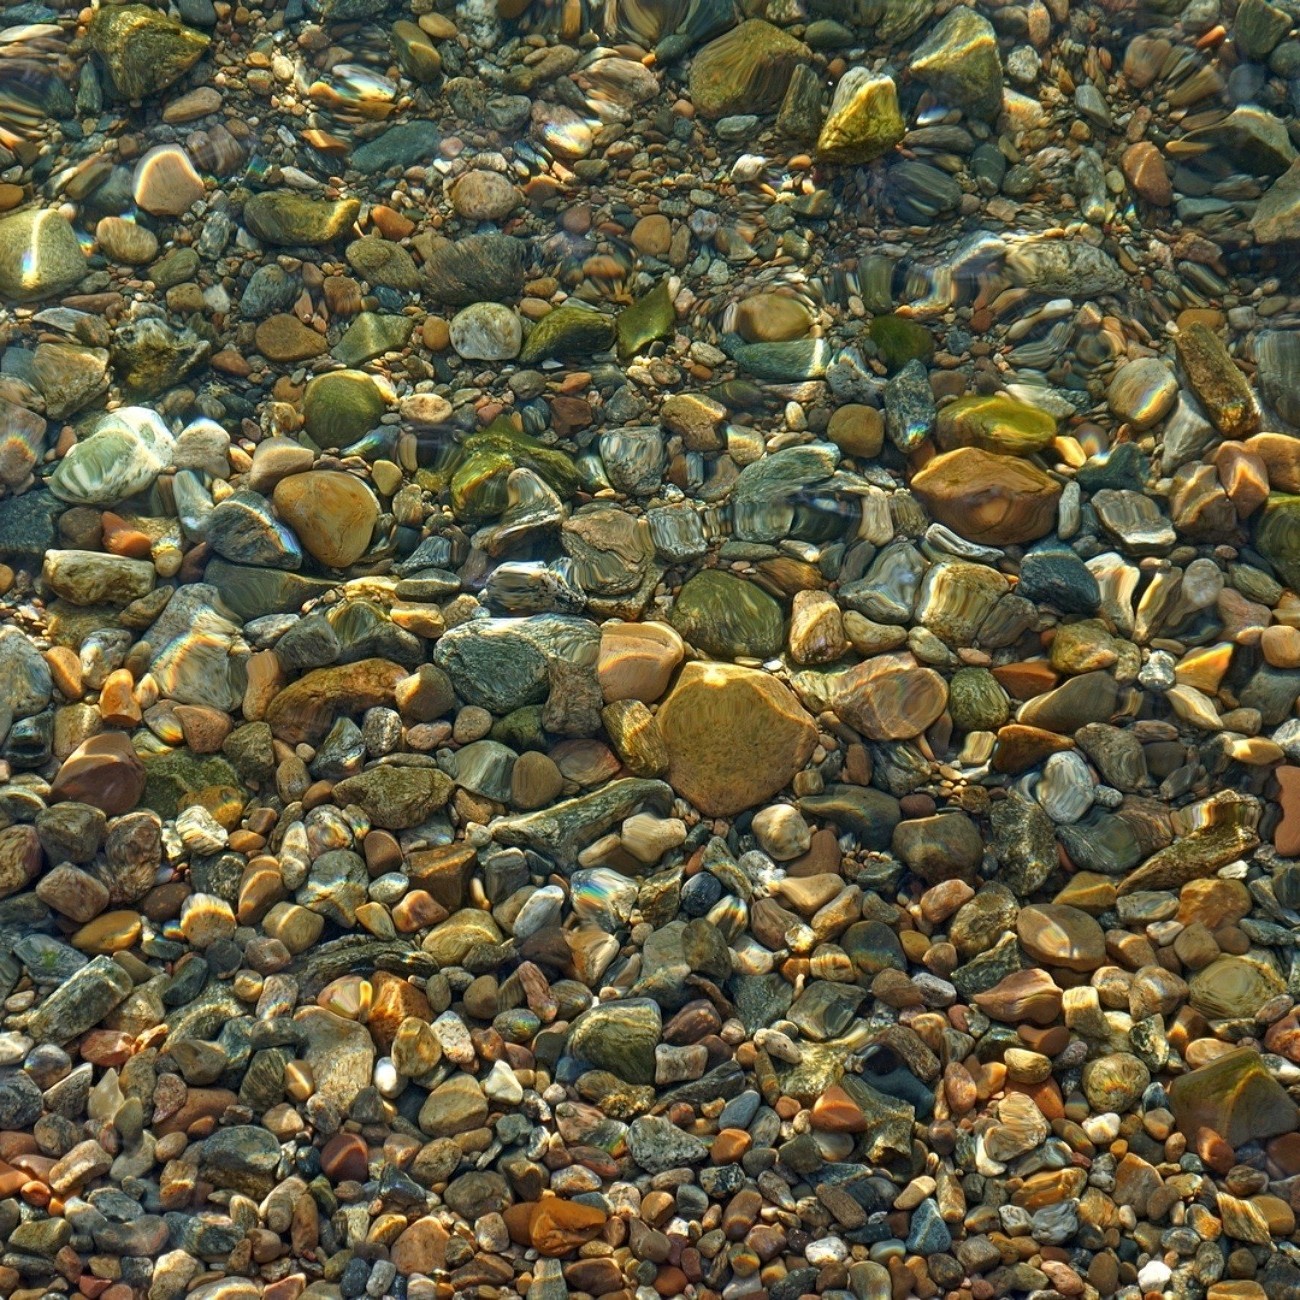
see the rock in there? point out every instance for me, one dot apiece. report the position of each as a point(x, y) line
point(150, 355)
point(1233, 988)
point(726, 617)
point(124, 241)
point(486, 331)
point(857, 431)
point(745, 70)
point(658, 1145)
point(735, 737)
point(1215, 379)
point(484, 196)
point(401, 145)
point(1057, 935)
point(479, 268)
point(959, 62)
point(341, 406)
point(1276, 219)
point(889, 697)
point(1233, 1096)
point(943, 847)
point(93, 578)
point(993, 500)
point(282, 217)
point(1144, 169)
point(573, 330)
point(454, 1107)
point(332, 513)
point(39, 255)
point(395, 798)
point(143, 49)
point(995, 423)
point(104, 772)
point(864, 121)
point(637, 660)
point(383, 262)
point(620, 1037)
point(242, 1158)
point(285, 338)
point(304, 710)
point(371, 335)
point(165, 182)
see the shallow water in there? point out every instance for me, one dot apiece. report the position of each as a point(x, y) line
point(649, 648)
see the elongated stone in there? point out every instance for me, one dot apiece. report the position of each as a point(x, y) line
point(81, 1001)
point(562, 830)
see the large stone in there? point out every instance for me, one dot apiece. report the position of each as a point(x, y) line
point(332, 513)
point(396, 797)
point(479, 268)
point(620, 1037)
point(104, 772)
point(994, 500)
point(305, 710)
point(1235, 1097)
point(735, 737)
point(144, 50)
point(39, 255)
point(745, 70)
point(864, 122)
point(889, 696)
point(1057, 935)
point(341, 406)
point(727, 617)
point(285, 218)
point(959, 61)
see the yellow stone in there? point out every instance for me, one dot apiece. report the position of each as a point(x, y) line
point(108, 933)
point(735, 737)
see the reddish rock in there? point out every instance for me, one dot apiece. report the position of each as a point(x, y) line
point(104, 772)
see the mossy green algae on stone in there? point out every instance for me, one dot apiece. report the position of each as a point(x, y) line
point(899, 340)
point(341, 406)
point(959, 62)
point(745, 70)
point(573, 330)
point(1277, 536)
point(728, 617)
point(864, 122)
point(290, 220)
point(996, 423)
point(143, 49)
point(478, 484)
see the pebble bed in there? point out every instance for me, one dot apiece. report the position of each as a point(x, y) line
point(649, 649)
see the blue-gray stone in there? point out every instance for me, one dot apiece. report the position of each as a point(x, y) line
point(402, 145)
point(929, 1234)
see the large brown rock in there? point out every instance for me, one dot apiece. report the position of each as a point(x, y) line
point(305, 710)
point(104, 772)
point(735, 736)
point(332, 513)
point(1058, 935)
point(991, 499)
point(1236, 1097)
point(889, 697)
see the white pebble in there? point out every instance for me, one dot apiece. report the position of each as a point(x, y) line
point(1154, 1275)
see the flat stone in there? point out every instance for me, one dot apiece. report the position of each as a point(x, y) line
point(990, 499)
point(735, 737)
